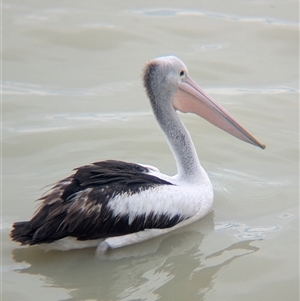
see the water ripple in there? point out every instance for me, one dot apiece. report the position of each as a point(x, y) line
point(105, 117)
point(18, 88)
point(262, 90)
point(62, 121)
point(246, 177)
point(215, 15)
point(247, 232)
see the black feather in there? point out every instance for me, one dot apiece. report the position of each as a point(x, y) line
point(77, 206)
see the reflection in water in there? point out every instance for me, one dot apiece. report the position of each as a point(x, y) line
point(210, 271)
point(247, 232)
point(148, 271)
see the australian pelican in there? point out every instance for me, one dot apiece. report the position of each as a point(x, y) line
point(110, 204)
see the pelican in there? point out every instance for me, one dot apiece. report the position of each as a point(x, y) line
point(112, 204)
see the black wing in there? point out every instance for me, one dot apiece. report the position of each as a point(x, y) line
point(77, 206)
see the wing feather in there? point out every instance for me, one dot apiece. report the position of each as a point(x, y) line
point(78, 206)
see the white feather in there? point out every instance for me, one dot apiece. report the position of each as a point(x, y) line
point(165, 199)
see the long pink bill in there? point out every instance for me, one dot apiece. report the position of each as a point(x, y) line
point(190, 98)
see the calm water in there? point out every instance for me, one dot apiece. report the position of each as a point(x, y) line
point(72, 94)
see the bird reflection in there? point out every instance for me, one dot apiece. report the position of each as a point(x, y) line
point(175, 257)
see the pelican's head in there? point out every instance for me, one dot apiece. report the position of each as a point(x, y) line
point(162, 76)
point(169, 87)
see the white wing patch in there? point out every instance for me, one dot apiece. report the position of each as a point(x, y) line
point(162, 200)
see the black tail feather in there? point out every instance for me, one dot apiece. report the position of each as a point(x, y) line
point(20, 233)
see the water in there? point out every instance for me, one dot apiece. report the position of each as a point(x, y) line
point(72, 94)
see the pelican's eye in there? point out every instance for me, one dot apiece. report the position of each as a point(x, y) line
point(182, 73)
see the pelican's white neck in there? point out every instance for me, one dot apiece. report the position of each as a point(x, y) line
point(188, 165)
point(161, 83)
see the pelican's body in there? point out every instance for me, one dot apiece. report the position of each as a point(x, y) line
point(111, 204)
